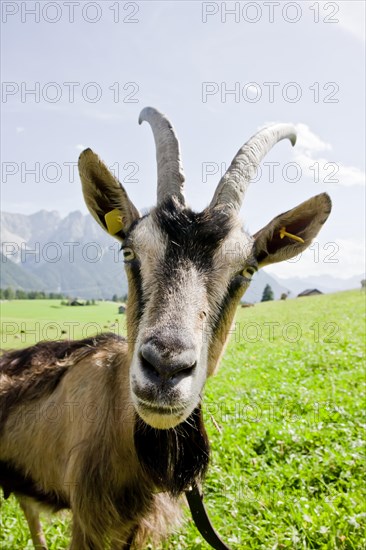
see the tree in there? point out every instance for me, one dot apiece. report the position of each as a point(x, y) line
point(267, 294)
point(9, 293)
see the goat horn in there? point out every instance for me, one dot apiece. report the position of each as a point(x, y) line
point(170, 170)
point(234, 183)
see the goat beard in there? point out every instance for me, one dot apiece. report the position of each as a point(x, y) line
point(174, 458)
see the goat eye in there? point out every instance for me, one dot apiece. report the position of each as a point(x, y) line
point(128, 254)
point(248, 272)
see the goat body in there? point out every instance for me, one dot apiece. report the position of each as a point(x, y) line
point(112, 428)
point(74, 442)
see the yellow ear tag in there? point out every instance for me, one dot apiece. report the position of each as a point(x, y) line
point(284, 233)
point(113, 219)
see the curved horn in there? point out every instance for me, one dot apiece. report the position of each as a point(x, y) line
point(234, 183)
point(170, 170)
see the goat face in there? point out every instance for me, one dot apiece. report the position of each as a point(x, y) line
point(180, 265)
point(187, 271)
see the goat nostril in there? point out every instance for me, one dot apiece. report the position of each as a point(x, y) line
point(148, 367)
point(185, 371)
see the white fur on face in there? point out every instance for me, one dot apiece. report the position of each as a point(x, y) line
point(230, 260)
point(178, 308)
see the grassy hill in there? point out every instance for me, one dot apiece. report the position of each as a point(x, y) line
point(285, 416)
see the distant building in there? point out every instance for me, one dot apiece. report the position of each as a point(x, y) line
point(77, 302)
point(246, 304)
point(122, 308)
point(310, 292)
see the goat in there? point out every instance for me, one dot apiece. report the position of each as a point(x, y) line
point(112, 428)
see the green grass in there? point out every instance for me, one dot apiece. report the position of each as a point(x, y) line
point(285, 416)
point(26, 322)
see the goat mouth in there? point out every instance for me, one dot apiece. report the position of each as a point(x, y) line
point(160, 408)
point(159, 415)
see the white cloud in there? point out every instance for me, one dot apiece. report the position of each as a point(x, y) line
point(341, 258)
point(80, 147)
point(351, 17)
point(350, 175)
point(19, 129)
point(321, 169)
point(307, 140)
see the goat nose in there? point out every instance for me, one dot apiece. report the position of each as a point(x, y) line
point(166, 365)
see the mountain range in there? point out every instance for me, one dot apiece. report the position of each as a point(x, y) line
point(72, 255)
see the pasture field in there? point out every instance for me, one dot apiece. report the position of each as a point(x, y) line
point(26, 322)
point(285, 416)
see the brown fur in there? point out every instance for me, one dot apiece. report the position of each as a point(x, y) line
point(31, 373)
point(95, 468)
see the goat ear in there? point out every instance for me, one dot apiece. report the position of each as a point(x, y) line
point(291, 232)
point(105, 197)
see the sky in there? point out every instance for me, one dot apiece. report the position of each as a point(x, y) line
point(77, 74)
